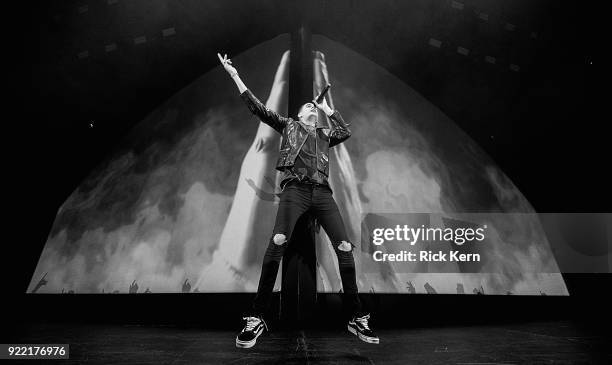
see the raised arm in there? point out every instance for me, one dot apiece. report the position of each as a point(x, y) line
point(339, 131)
point(256, 107)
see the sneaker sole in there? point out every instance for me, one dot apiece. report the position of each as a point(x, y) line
point(362, 337)
point(248, 344)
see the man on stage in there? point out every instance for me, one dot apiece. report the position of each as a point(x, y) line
point(304, 165)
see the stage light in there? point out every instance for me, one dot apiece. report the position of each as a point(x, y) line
point(110, 47)
point(463, 51)
point(83, 54)
point(168, 32)
point(83, 9)
point(514, 67)
point(510, 27)
point(140, 40)
point(490, 59)
point(483, 16)
point(457, 5)
point(435, 43)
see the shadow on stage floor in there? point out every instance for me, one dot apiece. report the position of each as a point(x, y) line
point(556, 342)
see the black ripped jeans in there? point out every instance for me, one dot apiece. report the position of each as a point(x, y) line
point(296, 199)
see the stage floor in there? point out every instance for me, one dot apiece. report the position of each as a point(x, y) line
point(559, 342)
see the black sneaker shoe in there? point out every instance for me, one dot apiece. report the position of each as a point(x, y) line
point(360, 328)
point(253, 328)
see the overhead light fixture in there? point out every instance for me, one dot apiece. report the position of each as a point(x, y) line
point(457, 5)
point(490, 59)
point(463, 51)
point(168, 32)
point(514, 67)
point(435, 43)
point(140, 40)
point(483, 16)
point(110, 47)
point(83, 54)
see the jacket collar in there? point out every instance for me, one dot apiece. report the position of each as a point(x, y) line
point(318, 126)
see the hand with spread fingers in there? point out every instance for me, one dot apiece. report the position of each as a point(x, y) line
point(231, 70)
point(227, 65)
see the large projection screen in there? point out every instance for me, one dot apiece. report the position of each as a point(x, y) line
point(187, 202)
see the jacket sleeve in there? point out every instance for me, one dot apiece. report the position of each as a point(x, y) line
point(266, 115)
point(340, 131)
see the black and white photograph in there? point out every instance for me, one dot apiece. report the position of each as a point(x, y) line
point(308, 182)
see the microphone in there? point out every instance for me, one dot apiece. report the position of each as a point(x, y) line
point(321, 95)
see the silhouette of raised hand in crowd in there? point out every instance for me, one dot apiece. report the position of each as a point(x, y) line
point(410, 288)
point(41, 283)
point(430, 289)
point(186, 286)
point(133, 287)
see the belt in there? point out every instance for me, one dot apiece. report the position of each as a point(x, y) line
point(305, 181)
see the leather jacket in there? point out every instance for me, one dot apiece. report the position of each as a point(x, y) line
point(294, 134)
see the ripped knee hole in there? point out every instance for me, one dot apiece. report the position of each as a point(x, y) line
point(279, 239)
point(345, 246)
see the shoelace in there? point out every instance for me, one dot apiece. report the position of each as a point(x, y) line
point(363, 321)
point(251, 322)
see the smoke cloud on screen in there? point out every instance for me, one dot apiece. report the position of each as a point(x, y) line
point(395, 182)
point(159, 248)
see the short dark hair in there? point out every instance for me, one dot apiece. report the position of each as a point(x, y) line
point(302, 107)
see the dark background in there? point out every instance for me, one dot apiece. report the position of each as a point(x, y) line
point(540, 125)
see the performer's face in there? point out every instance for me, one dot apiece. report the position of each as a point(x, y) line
point(308, 113)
